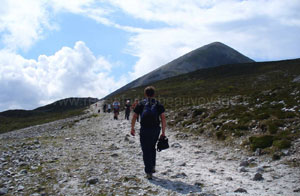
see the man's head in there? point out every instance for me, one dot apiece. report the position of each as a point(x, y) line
point(149, 91)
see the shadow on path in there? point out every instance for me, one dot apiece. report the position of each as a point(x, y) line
point(177, 186)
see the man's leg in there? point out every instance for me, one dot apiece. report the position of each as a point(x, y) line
point(148, 139)
point(153, 149)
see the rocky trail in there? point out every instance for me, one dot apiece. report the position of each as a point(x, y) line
point(95, 155)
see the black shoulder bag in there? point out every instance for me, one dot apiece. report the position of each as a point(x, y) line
point(162, 144)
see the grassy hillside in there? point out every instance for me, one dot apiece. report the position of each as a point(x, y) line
point(224, 81)
point(258, 102)
point(16, 119)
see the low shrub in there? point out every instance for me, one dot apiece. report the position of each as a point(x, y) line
point(272, 126)
point(233, 127)
point(189, 122)
point(263, 116)
point(282, 144)
point(199, 112)
point(220, 135)
point(262, 141)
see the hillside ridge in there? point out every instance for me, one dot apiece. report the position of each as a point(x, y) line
point(210, 55)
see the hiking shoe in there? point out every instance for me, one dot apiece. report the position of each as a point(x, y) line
point(153, 170)
point(149, 176)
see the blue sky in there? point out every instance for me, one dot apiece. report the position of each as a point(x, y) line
point(100, 39)
point(55, 49)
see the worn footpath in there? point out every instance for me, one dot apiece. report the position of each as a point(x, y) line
point(95, 155)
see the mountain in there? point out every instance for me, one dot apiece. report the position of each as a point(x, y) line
point(210, 55)
point(62, 105)
point(225, 80)
point(67, 104)
point(16, 119)
point(251, 105)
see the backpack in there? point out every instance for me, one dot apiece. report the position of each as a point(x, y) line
point(149, 116)
point(116, 105)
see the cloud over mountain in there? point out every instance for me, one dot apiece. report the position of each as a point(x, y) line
point(27, 83)
point(260, 29)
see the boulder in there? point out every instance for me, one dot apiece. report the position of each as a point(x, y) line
point(176, 145)
point(92, 180)
point(258, 177)
point(243, 169)
point(297, 79)
point(3, 191)
point(297, 190)
point(240, 190)
point(244, 163)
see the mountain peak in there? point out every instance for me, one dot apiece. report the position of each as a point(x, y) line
point(210, 55)
point(216, 44)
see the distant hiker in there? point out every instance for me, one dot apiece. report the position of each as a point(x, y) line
point(104, 107)
point(151, 111)
point(136, 102)
point(108, 108)
point(116, 107)
point(127, 109)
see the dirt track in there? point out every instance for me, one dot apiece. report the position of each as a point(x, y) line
point(95, 155)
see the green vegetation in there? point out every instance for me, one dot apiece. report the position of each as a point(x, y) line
point(262, 141)
point(282, 144)
point(12, 123)
point(272, 125)
point(220, 83)
point(220, 135)
point(198, 112)
point(189, 122)
point(16, 119)
point(231, 101)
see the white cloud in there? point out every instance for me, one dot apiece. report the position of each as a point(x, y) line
point(70, 72)
point(22, 23)
point(260, 29)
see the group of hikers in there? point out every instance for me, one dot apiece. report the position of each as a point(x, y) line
point(116, 108)
point(153, 124)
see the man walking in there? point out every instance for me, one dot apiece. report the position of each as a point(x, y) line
point(108, 108)
point(127, 109)
point(116, 107)
point(104, 107)
point(150, 111)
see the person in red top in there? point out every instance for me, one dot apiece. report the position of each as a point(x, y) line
point(136, 102)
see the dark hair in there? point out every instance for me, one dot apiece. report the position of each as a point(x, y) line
point(149, 91)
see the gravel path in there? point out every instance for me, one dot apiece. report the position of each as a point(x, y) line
point(95, 155)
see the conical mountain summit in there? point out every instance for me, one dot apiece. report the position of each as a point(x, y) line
point(210, 55)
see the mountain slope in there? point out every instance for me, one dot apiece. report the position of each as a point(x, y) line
point(254, 105)
point(210, 55)
point(224, 80)
point(16, 119)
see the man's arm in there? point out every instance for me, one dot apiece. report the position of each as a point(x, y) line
point(134, 117)
point(163, 124)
